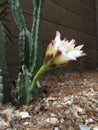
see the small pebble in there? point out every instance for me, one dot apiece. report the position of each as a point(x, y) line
point(24, 115)
point(56, 128)
point(3, 123)
point(69, 102)
point(52, 120)
point(37, 109)
point(95, 128)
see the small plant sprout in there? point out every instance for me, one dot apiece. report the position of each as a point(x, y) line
point(59, 53)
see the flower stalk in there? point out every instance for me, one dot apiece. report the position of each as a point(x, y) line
point(42, 69)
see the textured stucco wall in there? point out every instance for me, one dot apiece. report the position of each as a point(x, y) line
point(73, 18)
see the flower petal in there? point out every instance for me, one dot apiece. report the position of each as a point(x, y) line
point(58, 53)
point(62, 59)
point(53, 43)
point(74, 53)
point(72, 41)
point(65, 39)
point(79, 47)
point(48, 57)
point(58, 35)
point(83, 54)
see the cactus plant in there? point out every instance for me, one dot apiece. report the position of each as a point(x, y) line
point(28, 47)
point(3, 66)
point(1, 87)
point(5, 34)
point(37, 4)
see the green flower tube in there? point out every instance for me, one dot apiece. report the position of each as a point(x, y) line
point(42, 69)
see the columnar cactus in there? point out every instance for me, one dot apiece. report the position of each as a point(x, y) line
point(37, 11)
point(28, 44)
point(1, 87)
point(3, 66)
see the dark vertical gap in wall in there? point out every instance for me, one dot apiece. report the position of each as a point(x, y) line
point(96, 9)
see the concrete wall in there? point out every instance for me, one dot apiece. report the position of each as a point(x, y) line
point(73, 18)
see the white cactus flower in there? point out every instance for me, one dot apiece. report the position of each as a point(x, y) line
point(60, 52)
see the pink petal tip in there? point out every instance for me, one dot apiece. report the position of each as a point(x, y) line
point(72, 41)
point(83, 54)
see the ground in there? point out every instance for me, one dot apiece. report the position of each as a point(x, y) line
point(68, 102)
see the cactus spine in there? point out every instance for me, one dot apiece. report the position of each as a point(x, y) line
point(28, 44)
